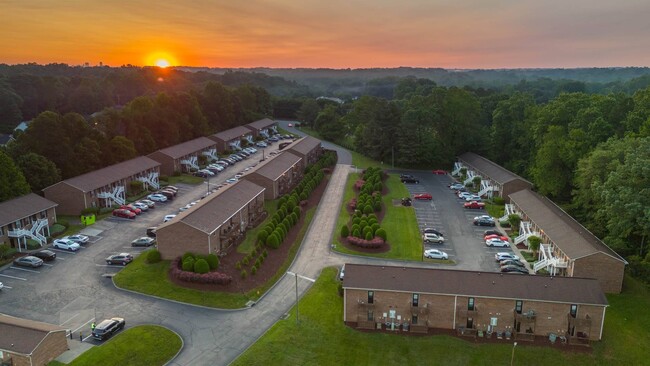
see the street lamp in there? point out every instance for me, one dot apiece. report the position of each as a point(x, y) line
point(512, 358)
point(304, 278)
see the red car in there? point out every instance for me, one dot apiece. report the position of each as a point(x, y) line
point(474, 205)
point(423, 196)
point(131, 208)
point(439, 172)
point(493, 236)
point(121, 212)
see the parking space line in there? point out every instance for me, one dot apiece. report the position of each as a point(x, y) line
point(23, 269)
point(49, 265)
point(74, 316)
point(7, 287)
point(14, 277)
point(57, 258)
point(63, 251)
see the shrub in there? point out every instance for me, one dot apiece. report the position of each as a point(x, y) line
point(296, 210)
point(187, 255)
point(514, 220)
point(377, 206)
point(188, 265)
point(376, 242)
point(6, 251)
point(253, 270)
point(65, 223)
point(367, 209)
point(153, 256)
point(369, 235)
point(356, 233)
point(356, 220)
point(201, 266)
point(187, 276)
point(381, 233)
point(262, 235)
point(213, 261)
point(272, 242)
point(244, 274)
point(264, 253)
point(245, 260)
point(367, 230)
point(499, 201)
point(238, 265)
point(345, 231)
point(374, 227)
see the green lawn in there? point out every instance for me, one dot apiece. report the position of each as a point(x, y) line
point(399, 221)
point(151, 279)
point(321, 338)
point(146, 345)
point(187, 179)
point(494, 210)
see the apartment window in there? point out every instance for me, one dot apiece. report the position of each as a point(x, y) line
point(416, 298)
point(1, 231)
point(43, 214)
point(371, 297)
point(574, 310)
point(470, 303)
point(518, 306)
point(371, 315)
point(414, 319)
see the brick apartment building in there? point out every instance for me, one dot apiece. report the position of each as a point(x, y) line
point(215, 224)
point(184, 157)
point(104, 187)
point(308, 148)
point(30, 343)
point(278, 175)
point(263, 127)
point(475, 303)
point(232, 139)
point(567, 248)
point(26, 217)
point(495, 180)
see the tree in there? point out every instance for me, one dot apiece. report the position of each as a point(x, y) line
point(12, 181)
point(38, 170)
point(533, 243)
point(120, 149)
point(329, 125)
point(308, 112)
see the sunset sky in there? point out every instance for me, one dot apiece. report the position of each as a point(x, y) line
point(335, 34)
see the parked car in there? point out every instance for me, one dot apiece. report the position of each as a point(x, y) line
point(156, 197)
point(406, 201)
point(457, 186)
point(232, 180)
point(28, 261)
point(142, 206)
point(492, 232)
point(168, 218)
point(124, 213)
point(1, 285)
point(464, 195)
point(168, 194)
point(149, 203)
point(440, 172)
point(206, 171)
point(423, 196)
point(131, 208)
point(144, 241)
point(473, 197)
point(475, 205)
point(173, 188)
point(342, 272)
point(435, 254)
point(261, 144)
point(46, 255)
point(201, 174)
point(410, 180)
point(514, 269)
point(122, 259)
point(511, 262)
point(505, 255)
point(66, 244)
point(496, 242)
point(78, 238)
point(223, 163)
point(151, 232)
point(433, 238)
point(107, 328)
point(495, 236)
point(430, 230)
point(484, 221)
point(406, 176)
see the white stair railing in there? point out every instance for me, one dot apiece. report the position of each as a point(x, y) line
point(509, 210)
point(117, 196)
point(524, 232)
point(540, 264)
point(192, 162)
point(457, 167)
point(150, 180)
point(470, 177)
point(211, 153)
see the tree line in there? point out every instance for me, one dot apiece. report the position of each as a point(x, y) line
point(590, 153)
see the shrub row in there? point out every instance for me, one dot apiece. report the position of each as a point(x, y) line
point(199, 263)
point(364, 226)
point(209, 277)
point(373, 243)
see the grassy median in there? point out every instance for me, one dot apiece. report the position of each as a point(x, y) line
point(146, 345)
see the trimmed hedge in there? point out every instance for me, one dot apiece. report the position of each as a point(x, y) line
point(374, 243)
point(217, 278)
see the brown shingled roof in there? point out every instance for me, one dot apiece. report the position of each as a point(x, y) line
point(304, 145)
point(23, 335)
point(99, 178)
point(274, 168)
point(188, 147)
point(572, 290)
point(24, 206)
point(233, 133)
point(567, 233)
point(211, 212)
point(261, 124)
point(496, 172)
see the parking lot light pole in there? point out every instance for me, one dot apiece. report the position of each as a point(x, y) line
point(305, 278)
point(512, 358)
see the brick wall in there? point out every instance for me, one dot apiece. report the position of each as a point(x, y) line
point(607, 270)
point(550, 316)
point(178, 238)
point(262, 182)
point(52, 346)
point(513, 186)
point(70, 199)
point(166, 162)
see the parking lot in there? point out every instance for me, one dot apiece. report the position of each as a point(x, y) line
point(463, 240)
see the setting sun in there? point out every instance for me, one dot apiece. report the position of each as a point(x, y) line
point(162, 63)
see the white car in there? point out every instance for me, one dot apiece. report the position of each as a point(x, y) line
point(474, 197)
point(1, 285)
point(464, 195)
point(168, 218)
point(149, 203)
point(261, 144)
point(66, 244)
point(142, 206)
point(496, 242)
point(435, 254)
point(232, 180)
point(78, 238)
point(505, 255)
point(157, 197)
point(483, 217)
point(432, 238)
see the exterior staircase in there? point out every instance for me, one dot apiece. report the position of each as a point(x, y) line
point(457, 167)
point(151, 180)
point(192, 162)
point(486, 188)
point(525, 232)
point(117, 196)
point(509, 210)
point(470, 177)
